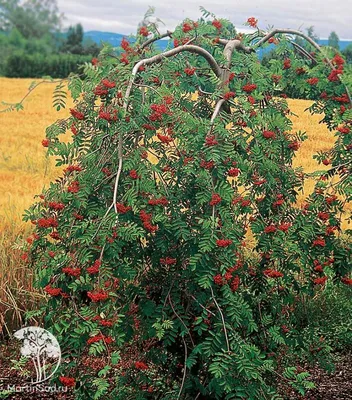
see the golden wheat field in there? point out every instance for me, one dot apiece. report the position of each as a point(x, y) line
point(25, 169)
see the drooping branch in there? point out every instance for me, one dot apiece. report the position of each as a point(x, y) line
point(170, 53)
point(153, 60)
point(274, 32)
point(289, 32)
point(231, 46)
point(303, 51)
point(19, 105)
point(155, 38)
point(222, 319)
point(216, 112)
point(119, 170)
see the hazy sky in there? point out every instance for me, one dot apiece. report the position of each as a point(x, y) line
point(123, 16)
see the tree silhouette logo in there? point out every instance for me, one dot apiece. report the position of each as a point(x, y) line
point(43, 349)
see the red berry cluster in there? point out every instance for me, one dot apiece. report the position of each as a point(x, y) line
point(217, 24)
point(125, 44)
point(99, 338)
point(280, 201)
point(146, 219)
point(190, 71)
point(272, 273)
point(242, 201)
point(294, 145)
point(287, 63)
point(99, 295)
point(140, 365)
point(211, 141)
point(72, 168)
point(72, 271)
point(346, 281)
point(73, 187)
point(270, 229)
point(56, 206)
point(158, 111)
point(52, 291)
point(164, 138)
point(66, 381)
point(252, 22)
point(162, 201)
point(94, 269)
point(320, 281)
point(334, 74)
point(207, 164)
point(223, 242)
point(233, 172)
point(187, 27)
point(77, 114)
point(107, 115)
point(312, 81)
point(47, 222)
point(269, 135)
point(249, 87)
point(122, 209)
point(319, 242)
point(215, 199)
point(229, 95)
point(284, 227)
point(133, 174)
point(144, 31)
point(168, 261)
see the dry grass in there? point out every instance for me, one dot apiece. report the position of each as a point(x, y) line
point(25, 169)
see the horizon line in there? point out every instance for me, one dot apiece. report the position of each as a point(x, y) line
point(126, 34)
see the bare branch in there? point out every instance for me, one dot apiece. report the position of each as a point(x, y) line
point(159, 57)
point(303, 51)
point(184, 370)
point(102, 220)
point(13, 106)
point(204, 92)
point(201, 305)
point(216, 112)
point(222, 318)
point(120, 156)
point(155, 38)
point(231, 46)
point(174, 311)
point(289, 32)
point(190, 48)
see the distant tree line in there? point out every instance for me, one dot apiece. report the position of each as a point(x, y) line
point(33, 43)
point(334, 42)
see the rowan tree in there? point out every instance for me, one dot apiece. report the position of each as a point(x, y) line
point(173, 250)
